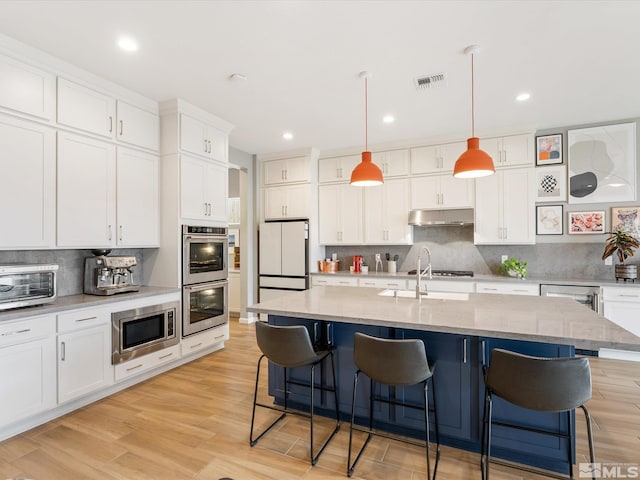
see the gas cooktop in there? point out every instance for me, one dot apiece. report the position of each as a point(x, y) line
point(447, 273)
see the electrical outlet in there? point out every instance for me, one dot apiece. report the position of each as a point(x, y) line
point(608, 260)
point(503, 258)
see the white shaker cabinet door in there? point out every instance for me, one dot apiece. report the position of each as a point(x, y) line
point(85, 109)
point(488, 211)
point(193, 202)
point(27, 89)
point(216, 189)
point(519, 206)
point(86, 192)
point(138, 127)
point(138, 200)
point(27, 162)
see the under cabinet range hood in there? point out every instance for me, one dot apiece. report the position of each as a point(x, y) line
point(440, 218)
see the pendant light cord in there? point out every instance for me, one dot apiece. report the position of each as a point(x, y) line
point(366, 115)
point(473, 111)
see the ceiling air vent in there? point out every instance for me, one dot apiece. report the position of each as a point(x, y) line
point(429, 81)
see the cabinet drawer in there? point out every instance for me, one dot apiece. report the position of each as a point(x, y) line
point(206, 339)
point(400, 284)
point(82, 319)
point(146, 362)
point(619, 294)
point(26, 330)
point(505, 288)
point(444, 286)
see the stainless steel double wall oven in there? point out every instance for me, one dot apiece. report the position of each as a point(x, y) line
point(205, 298)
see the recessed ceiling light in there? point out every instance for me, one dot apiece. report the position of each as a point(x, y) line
point(523, 97)
point(128, 44)
point(287, 135)
point(388, 119)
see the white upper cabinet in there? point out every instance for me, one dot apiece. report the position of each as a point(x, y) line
point(197, 136)
point(287, 201)
point(86, 109)
point(438, 192)
point(340, 219)
point(94, 112)
point(337, 169)
point(86, 192)
point(393, 163)
point(288, 170)
point(510, 151)
point(138, 199)
point(27, 89)
point(137, 126)
point(386, 213)
point(436, 158)
point(504, 212)
point(27, 184)
point(203, 188)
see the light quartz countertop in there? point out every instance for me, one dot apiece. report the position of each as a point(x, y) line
point(81, 301)
point(531, 318)
point(604, 282)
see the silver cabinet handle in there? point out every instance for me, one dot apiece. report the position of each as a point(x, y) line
point(121, 127)
point(110, 233)
point(282, 210)
point(196, 345)
point(464, 350)
point(133, 368)
point(286, 210)
point(218, 337)
point(15, 332)
point(110, 124)
point(204, 142)
point(85, 319)
point(483, 346)
point(165, 356)
point(63, 351)
point(120, 232)
point(209, 145)
point(205, 208)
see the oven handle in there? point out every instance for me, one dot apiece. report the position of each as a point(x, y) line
point(205, 237)
point(205, 286)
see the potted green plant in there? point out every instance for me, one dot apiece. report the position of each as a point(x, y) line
point(623, 244)
point(513, 268)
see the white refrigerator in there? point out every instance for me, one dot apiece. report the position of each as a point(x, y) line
point(283, 258)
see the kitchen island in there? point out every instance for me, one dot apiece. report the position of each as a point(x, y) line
point(459, 332)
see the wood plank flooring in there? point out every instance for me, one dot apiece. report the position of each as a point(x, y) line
point(193, 423)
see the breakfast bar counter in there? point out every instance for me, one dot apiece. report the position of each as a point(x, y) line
point(517, 317)
point(459, 332)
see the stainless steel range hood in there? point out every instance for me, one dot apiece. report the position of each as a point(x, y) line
point(441, 218)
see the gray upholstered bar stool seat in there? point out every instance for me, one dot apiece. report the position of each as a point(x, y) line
point(541, 384)
point(290, 347)
point(395, 363)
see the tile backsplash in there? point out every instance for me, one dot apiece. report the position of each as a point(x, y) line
point(71, 263)
point(452, 248)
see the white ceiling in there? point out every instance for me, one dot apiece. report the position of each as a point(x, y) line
point(578, 59)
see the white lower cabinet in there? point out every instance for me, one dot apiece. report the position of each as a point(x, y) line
point(147, 362)
point(622, 307)
point(209, 338)
point(84, 352)
point(508, 288)
point(395, 284)
point(27, 368)
point(335, 281)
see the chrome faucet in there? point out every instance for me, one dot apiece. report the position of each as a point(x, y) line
point(421, 273)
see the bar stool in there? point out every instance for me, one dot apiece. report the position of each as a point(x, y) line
point(290, 347)
point(395, 363)
point(540, 384)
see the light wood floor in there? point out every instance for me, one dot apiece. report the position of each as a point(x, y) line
point(193, 423)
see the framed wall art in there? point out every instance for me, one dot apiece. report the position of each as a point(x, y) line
point(551, 184)
point(549, 220)
point(549, 149)
point(602, 164)
point(586, 222)
point(626, 219)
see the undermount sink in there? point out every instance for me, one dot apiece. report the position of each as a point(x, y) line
point(428, 296)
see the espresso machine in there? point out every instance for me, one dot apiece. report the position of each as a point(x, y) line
point(105, 275)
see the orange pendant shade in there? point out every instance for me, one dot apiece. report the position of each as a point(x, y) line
point(366, 173)
point(474, 162)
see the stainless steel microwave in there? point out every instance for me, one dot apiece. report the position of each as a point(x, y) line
point(27, 285)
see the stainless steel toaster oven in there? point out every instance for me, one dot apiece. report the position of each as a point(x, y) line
point(23, 285)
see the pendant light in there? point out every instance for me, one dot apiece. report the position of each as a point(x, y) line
point(366, 173)
point(474, 162)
